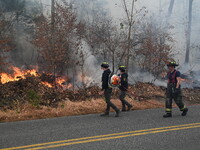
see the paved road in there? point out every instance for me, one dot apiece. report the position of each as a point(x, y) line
point(138, 130)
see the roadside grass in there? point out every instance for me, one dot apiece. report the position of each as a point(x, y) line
point(69, 108)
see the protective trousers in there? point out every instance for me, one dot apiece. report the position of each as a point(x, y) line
point(124, 102)
point(170, 93)
point(107, 94)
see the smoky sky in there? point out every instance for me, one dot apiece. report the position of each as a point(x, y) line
point(179, 20)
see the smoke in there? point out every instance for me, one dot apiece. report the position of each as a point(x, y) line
point(92, 69)
point(145, 77)
point(178, 22)
point(26, 53)
point(191, 74)
point(93, 72)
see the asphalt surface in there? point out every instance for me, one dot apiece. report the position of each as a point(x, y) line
point(25, 133)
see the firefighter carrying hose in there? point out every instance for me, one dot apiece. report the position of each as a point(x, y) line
point(107, 90)
point(174, 91)
point(123, 88)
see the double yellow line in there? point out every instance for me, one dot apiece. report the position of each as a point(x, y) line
point(104, 137)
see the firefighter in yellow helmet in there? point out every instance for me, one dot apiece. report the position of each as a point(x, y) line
point(124, 88)
point(107, 90)
point(174, 91)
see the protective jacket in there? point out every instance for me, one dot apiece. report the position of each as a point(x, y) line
point(124, 82)
point(105, 79)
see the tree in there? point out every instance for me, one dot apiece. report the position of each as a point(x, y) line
point(170, 9)
point(153, 53)
point(57, 39)
point(95, 17)
point(82, 57)
point(188, 33)
point(130, 24)
point(6, 44)
point(16, 6)
point(21, 14)
point(108, 37)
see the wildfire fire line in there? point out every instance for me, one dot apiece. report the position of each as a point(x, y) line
point(46, 79)
point(22, 74)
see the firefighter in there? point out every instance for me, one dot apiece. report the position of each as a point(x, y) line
point(107, 90)
point(123, 89)
point(174, 91)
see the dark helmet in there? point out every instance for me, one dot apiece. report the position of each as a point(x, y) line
point(105, 65)
point(172, 63)
point(122, 68)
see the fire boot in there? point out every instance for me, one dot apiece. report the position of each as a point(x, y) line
point(123, 109)
point(167, 115)
point(117, 113)
point(106, 114)
point(184, 113)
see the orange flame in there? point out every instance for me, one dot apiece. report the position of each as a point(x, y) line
point(60, 81)
point(22, 74)
point(17, 75)
point(47, 84)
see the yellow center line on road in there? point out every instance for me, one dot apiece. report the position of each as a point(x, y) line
point(103, 137)
point(114, 137)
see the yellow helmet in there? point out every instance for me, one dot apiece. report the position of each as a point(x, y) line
point(105, 65)
point(172, 63)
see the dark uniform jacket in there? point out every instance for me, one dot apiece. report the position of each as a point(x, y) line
point(172, 76)
point(124, 82)
point(105, 79)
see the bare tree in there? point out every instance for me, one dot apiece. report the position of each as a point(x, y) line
point(6, 40)
point(188, 33)
point(129, 15)
point(52, 41)
point(82, 57)
point(153, 53)
point(170, 9)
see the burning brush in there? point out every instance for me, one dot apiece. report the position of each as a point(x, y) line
point(46, 79)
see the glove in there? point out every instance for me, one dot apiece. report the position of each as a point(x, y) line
point(177, 91)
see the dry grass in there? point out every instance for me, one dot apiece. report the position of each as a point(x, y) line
point(69, 108)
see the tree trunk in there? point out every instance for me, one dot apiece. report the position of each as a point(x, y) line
point(170, 8)
point(128, 48)
point(188, 34)
point(130, 21)
point(83, 76)
point(52, 39)
point(113, 61)
point(74, 73)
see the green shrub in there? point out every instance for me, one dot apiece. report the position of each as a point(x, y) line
point(33, 98)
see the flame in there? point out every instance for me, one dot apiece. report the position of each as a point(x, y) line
point(47, 84)
point(22, 74)
point(60, 81)
point(17, 75)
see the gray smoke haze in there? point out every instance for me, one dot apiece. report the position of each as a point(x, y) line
point(179, 21)
point(160, 8)
point(156, 8)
